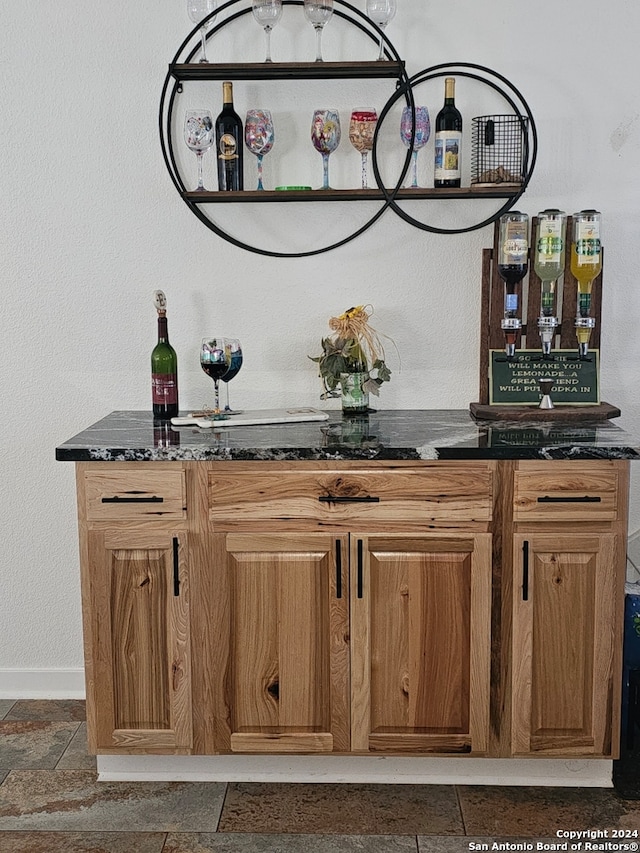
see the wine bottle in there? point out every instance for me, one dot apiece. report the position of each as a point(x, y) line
point(448, 141)
point(164, 367)
point(229, 143)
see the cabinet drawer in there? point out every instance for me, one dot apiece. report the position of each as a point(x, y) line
point(573, 492)
point(142, 493)
point(346, 496)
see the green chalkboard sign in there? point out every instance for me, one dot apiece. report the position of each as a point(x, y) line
point(515, 382)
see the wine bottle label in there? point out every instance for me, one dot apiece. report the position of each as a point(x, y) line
point(164, 389)
point(511, 302)
point(227, 149)
point(550, 241)
point(447, 155)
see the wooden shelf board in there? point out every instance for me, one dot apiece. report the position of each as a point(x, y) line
point(214, 197)
point(601, 412)
point(285, 70)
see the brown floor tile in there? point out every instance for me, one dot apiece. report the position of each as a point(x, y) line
point(5, 706)
point(242, 842)
point(81, 842)
point(33, 744)
point(70, 710)
point(73, 800)
point(75, 756)
point(534, 811)
point(341, 809)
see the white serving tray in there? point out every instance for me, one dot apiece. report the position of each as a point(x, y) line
point(259, 416)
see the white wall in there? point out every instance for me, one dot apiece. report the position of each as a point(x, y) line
point(91, 225)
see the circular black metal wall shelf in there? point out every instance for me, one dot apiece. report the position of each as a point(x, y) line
point(182, 69)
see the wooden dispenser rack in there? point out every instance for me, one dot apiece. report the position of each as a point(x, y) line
point(492, 336)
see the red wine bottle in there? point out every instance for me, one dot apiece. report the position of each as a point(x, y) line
point(448, 141)
point(229, 143)
point(164, 368)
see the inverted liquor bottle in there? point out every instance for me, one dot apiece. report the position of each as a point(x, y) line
point(513, 252)
point(164, 367)
point(548, 264)
point(586, 263)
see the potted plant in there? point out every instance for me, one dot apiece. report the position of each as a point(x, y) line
point(352, 364)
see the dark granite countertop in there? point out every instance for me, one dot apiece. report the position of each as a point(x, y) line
point(130, 436)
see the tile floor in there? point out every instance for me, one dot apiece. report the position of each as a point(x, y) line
point(50, 802)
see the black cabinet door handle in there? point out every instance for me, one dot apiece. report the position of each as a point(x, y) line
point(339, 499)
point(176, 566)
point(569, 499)
point(359, 570)
point(525, 571)
point(117, 499)
point(338, 569)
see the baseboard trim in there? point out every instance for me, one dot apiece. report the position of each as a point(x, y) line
point(578, 773)
point(42, 684)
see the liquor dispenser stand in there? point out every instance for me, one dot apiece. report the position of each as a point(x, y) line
point(492, 335)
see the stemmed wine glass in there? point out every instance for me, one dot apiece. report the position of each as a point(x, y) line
point(325, 135)
point(235, 351)
point(215, 360)
point(361, 130)
point(381, 12)
point(199, 134)
point(259, 136)
point(318, 12)
point(267, 13)
point(421, 136)
point(198, 10)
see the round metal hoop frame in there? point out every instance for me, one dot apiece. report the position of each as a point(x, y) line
point(519, 106)
point(404, 89)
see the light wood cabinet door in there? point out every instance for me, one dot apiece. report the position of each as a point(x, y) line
point(420, 642)
point(137, 632)
point(566, 632)
point(289, 642)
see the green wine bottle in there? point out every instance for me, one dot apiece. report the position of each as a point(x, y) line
point(164, 367)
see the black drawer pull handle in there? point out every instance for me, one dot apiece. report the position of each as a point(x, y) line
point(525, 571)
point(360, 569)
point(587, 499)
point(176, 566)
point(338, 569)
point(118, 500)
point(338, 499)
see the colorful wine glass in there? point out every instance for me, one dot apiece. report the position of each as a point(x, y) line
point(235, 351)
point(259, 136)
point(381, 12)
point(318, 12)
point(325, 135)
point(420, 137)
point(267, 13)
point(198, 10)
point(199, 134)
point(215, 360)
point(362, 128)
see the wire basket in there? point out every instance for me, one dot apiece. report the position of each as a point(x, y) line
point(499, 148)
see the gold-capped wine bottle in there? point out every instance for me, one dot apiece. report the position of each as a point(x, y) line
point(164, 367)
point(229, 143)
point(448, 141)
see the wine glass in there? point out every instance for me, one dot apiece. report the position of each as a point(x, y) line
point(235, 351)
point(198, 10)
point(318, 12)
point(267, 13)
point(361, 130)
point(421, 136)
point(381, 12)
point(215, 360)
point(259, 136)
point(325, 135)
point(199, 134)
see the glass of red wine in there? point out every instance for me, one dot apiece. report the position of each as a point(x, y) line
point(215, 360)
point(236, 363)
